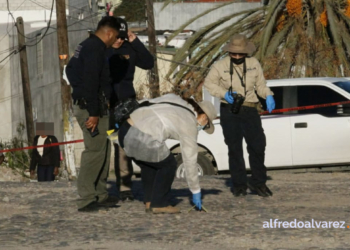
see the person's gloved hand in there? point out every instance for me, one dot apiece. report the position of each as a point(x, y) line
point(116, 125)
point(228, 97)
point(270, 103)
point(197, 200)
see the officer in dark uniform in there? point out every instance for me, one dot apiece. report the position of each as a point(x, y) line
point(126, 54)
point(86, 74)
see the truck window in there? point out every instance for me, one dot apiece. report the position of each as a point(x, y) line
point(284, 97)
point(313, 95)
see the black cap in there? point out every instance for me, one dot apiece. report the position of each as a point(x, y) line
point(123, 31)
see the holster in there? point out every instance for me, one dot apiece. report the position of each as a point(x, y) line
point(81, 103)
point(103, 105)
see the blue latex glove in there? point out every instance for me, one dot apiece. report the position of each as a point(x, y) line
point(197, 200)
point(270, 103)
point(228, 97)
point(116, 125)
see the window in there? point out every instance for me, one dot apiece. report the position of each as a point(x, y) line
point(39, 55)
point(313, 95)
point(284, 96)
point(344, 85)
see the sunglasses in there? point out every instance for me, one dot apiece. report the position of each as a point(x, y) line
point(121, 38)
point(237, 54)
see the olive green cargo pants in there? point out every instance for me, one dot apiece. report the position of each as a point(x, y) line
point(94, 165)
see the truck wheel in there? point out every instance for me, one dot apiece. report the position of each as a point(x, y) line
point(204, 166)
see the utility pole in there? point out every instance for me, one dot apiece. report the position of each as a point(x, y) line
point(27, 96)
point(67, 111)
point(151, 30)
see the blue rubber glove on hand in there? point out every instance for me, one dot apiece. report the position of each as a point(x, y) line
point(197, 200)
point(270, 103)
point(116, 125)
point(228, 97)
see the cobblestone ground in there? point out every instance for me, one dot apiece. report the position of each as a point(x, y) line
point(44, 216)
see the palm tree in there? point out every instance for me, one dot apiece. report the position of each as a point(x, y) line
point(294, 38)
point(134, 11)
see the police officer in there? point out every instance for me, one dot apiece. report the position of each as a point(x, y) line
point(86, 75)
point(239, 74)
point(126, 54)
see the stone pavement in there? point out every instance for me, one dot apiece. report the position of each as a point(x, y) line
point(44, 216)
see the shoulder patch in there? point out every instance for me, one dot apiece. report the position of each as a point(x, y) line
point(77, 51)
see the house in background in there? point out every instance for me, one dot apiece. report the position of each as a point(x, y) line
point(82, 16)
point(42, 59)
point(43, 65)
point(175, 15)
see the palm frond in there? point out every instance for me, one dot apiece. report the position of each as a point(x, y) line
point(270, 24)
point(182, 27)
point(187, 47)
point(313, 43)
point(278, 38)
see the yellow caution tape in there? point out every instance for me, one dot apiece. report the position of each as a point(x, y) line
point(109, 132)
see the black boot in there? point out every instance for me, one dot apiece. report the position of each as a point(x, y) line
point(261, 190)
point(126, 196)
point(91, 207)
point(109, 202)
point(240, 191)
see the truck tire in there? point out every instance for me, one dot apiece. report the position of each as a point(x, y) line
point(205, 166)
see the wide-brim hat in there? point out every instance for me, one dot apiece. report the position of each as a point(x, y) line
point(240, 44)
point(209, 109)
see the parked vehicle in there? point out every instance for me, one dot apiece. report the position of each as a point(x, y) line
point(294, 139)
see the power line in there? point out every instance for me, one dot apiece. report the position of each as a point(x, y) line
point(15, 51)
point(95, 14)
point(8, 8)
point(8, 50)
point(92, 20)
point(48, 27)
point(8, 21)
point(45, 7)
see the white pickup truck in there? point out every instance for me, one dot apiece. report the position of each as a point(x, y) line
point(294, 139)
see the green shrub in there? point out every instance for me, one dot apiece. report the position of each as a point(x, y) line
point(18, 161)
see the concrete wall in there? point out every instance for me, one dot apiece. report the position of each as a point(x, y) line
point(23, 5)
point(5, 93)
point(30, 11)
point(141, 83)
point(45, 86)
point(39, 10)
point(174, 15)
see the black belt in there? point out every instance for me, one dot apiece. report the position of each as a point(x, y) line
point(80, 102)
point(225, 105)
point(245, 104)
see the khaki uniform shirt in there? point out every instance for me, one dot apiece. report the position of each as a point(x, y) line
point(218, 80)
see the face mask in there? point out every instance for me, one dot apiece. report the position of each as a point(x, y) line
point(200, 127)
point(238, 61)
